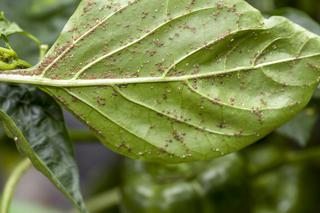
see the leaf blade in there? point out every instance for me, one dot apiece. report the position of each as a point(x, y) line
point(184, 81)
point(41, 137)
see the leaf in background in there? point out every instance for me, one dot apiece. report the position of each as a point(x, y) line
point(262, 5)
point(8, 57)
point(43, 18)
point(301, 127)
point(44, 8)
point(8, 28)
point(311, 7)
point(185, 81)
point(275, 185)
point(35, 122)
point(317, 93)
point(299, 17)
point(292, 188)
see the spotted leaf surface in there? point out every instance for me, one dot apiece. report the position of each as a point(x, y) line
point(180, 80)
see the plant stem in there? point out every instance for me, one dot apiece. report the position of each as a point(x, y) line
point(291, 157)
point(303, 155)
point(11, 184)
point(7, 52)
point(43, 48)
point(104, 201)
point(80, 136)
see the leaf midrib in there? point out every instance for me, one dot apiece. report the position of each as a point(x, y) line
point(42, 81)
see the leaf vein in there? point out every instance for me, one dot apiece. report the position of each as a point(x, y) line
point(86, 67)
point(234, 107)
point(116, 123)
point(93, 28)
point(172, 117)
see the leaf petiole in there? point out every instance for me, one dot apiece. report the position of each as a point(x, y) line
point(12, 183)
point(291, 157)
point(303, 155)
point(7, 52)
point(104, 201)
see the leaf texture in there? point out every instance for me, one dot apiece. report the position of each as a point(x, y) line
point(183, 80)
point(35, 122)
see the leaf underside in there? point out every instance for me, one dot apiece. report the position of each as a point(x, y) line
point(180, 80)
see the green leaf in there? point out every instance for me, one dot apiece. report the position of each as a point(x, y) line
point(35, 122)
point(299, 17)
point(263, 5)
point(8, 57)
point(44, 8)
point(301, 127)
point(317, 93)
point(184, 80)
point(43, 18)
point(8, 28)
point(292, 188)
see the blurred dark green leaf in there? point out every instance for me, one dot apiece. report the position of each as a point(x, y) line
point(312, 7)
point(43, 18)
point(276, 186)
point(263, 155)
point(45, 8)
point(262, 5)
point(289, 189)
point(219, 185)
point(301, 127)
point(317, 93)
point(36, 124)
point(8, 28)
point(153, 188)
point(225, 183)
point(299, 17)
